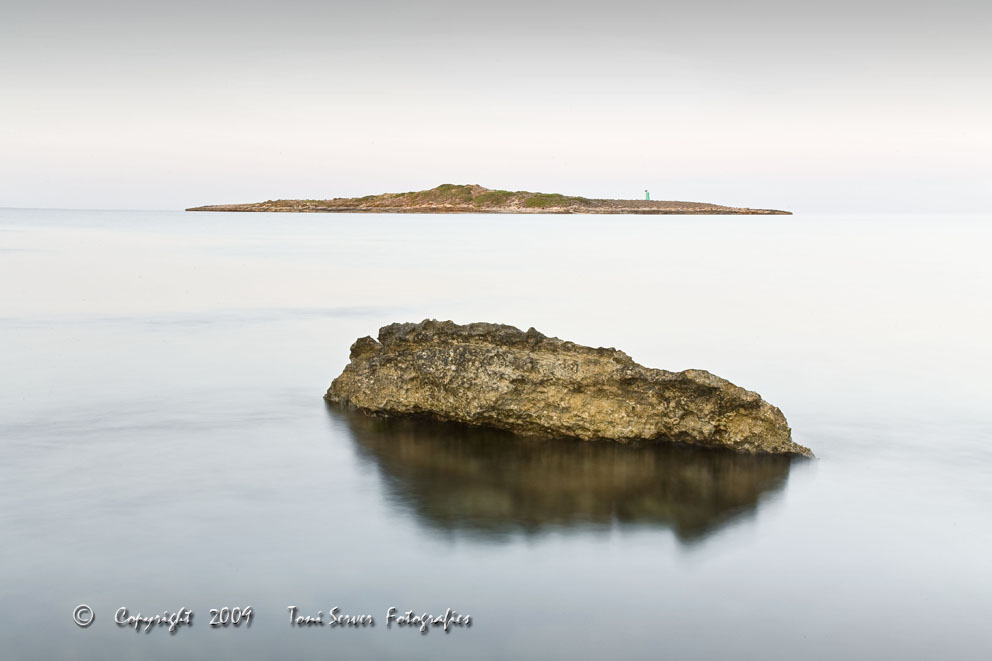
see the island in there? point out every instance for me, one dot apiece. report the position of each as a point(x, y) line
point(500, 377)
point(471, 198)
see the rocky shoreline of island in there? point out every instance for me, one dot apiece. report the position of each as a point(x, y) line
point(471, 198)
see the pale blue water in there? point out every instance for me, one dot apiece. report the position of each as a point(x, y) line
point(163, 441)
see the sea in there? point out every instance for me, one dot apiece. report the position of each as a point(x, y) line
point(167, 460)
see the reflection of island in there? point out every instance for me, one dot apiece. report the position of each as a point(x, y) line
point(494, 483)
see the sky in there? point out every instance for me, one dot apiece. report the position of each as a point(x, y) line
point(847, 106)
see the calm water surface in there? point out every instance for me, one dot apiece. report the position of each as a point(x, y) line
point(164, 441)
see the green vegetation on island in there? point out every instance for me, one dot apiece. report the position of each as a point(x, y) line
point(470, 198)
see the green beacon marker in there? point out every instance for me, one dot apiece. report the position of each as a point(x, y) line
point(647, 195)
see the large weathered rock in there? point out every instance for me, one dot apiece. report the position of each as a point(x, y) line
point(498, 376)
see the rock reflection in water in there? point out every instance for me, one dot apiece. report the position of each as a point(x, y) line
point(492, 483)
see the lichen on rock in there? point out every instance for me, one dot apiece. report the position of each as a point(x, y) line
point(494, 375)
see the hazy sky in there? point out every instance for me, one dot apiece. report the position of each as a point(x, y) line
point(846, 105)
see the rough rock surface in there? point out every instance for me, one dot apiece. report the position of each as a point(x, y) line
point(494, 375)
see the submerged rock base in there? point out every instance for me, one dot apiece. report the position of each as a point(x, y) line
point(493, 375)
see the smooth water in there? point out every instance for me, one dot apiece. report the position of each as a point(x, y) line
point(165, 444)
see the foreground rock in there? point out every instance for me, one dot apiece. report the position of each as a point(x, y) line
point(498, 376)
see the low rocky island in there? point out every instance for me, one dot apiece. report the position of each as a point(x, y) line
point(451, 198)
point(497, 376)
